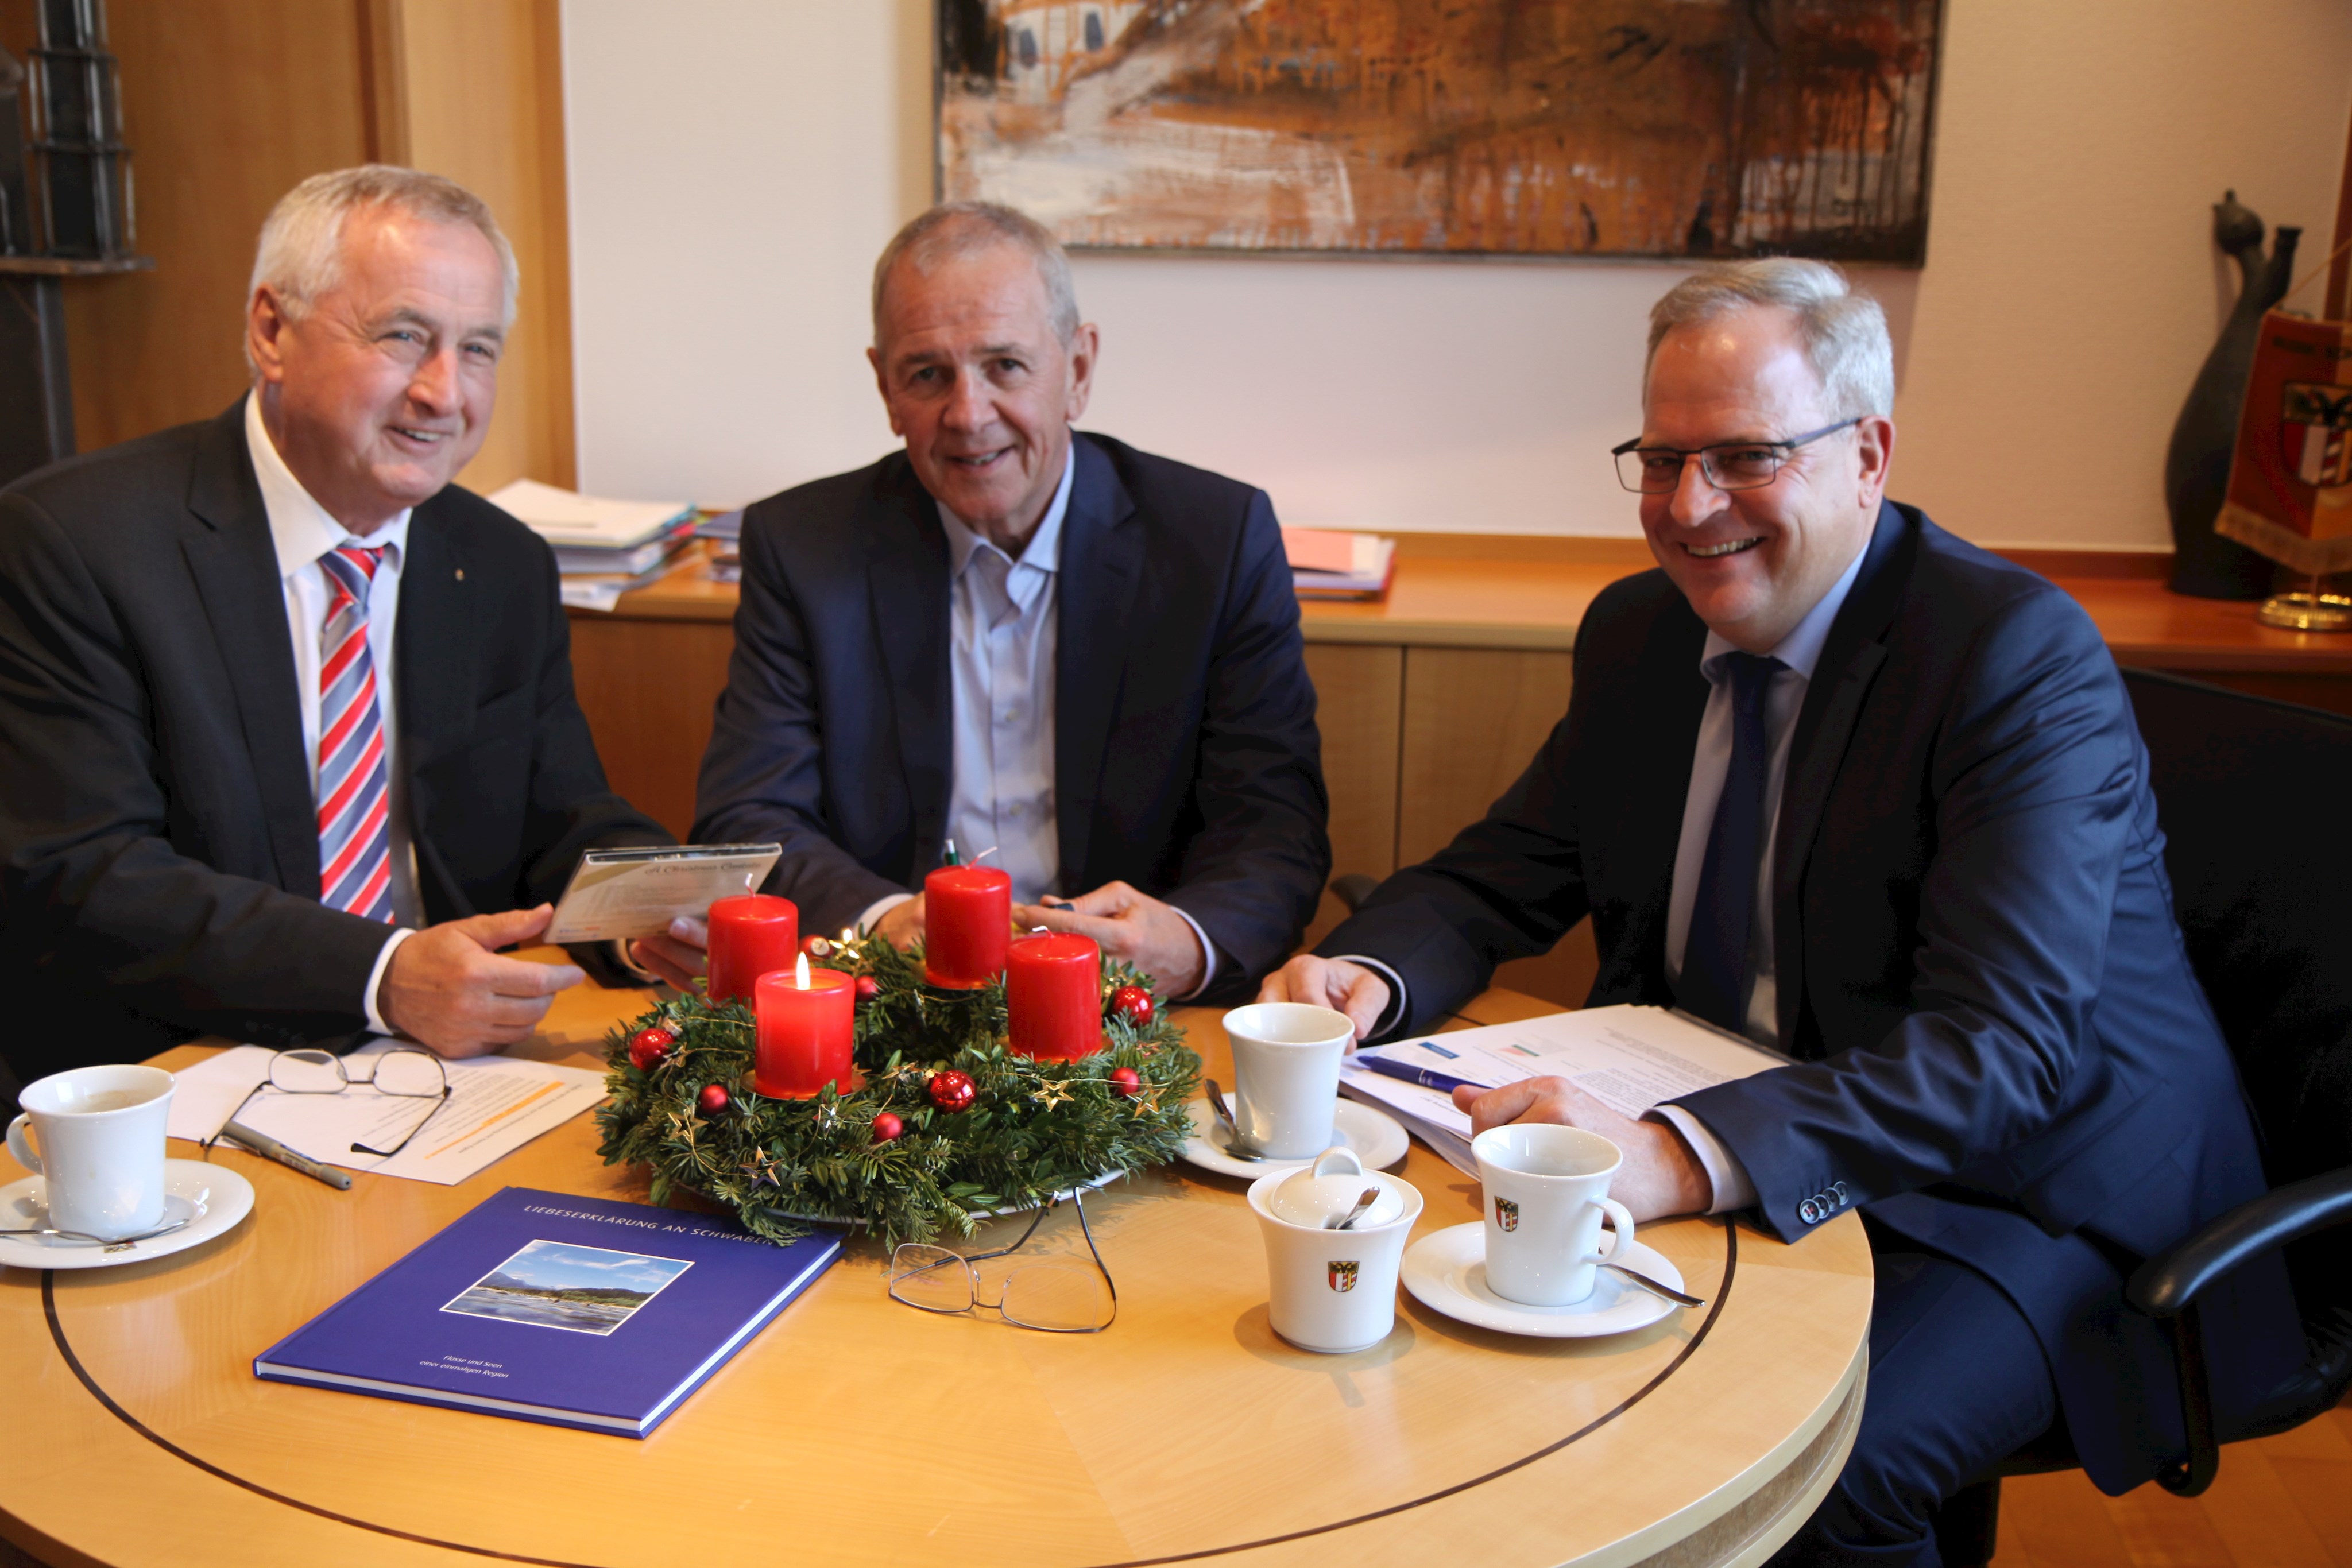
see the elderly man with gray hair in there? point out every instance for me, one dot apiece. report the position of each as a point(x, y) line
point(1836, 780)
point(1045, 647)
point(287, 742)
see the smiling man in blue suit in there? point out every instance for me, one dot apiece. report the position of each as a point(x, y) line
point(1838, 781)
point(1048, 644)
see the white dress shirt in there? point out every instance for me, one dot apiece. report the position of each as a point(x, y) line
point(302, 532)
point(1003, 632)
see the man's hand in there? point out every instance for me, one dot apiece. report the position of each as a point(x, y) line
point(448, 989)
point(1129, 926)
point(680, 954)
point(1332, 983)
point(901, 925)
point(1660, 1176)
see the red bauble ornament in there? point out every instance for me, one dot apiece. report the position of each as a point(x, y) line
point(868, 988)
point(1132, 1003)
point(648, 1046)
point(1126, 1080)
point(886, 1128)
point(952, 1091)
point(816, 947)
point(713, 1098)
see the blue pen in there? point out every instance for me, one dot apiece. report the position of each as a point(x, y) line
point(1428, 1078)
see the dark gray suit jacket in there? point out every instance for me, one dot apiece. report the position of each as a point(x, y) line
point(158, 848)
point(1185, 756)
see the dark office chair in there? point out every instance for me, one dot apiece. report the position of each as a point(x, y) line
point(2252, 797)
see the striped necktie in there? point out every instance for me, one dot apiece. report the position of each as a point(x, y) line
point(355, 794)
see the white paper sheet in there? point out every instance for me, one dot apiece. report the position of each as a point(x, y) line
point(617, 894)
point(497, 1105)
point(1628, 1058)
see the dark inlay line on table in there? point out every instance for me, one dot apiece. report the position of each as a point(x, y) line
point(1715, 1310)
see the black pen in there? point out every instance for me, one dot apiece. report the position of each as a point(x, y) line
point(1427, 1077)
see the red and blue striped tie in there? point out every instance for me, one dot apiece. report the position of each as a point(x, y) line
point(355, 794)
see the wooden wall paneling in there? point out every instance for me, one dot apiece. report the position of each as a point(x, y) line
point(647, 687)
point(1473, 720)
point(226, 104)
point(1359, 708)
point(473, 90)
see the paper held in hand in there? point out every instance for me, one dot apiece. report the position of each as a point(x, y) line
point(497, 1104)
point(1628, 1058)
point(619, 894)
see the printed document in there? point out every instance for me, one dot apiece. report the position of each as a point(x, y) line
point(496, 1106)
point(615, 893)
point(1628, 1058)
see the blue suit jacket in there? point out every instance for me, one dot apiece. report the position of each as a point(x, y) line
point(2004, 1054)
point(1185, 756)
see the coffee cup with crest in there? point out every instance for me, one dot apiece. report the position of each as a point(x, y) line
point(1330, 1288)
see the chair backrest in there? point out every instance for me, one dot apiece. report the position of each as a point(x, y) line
point(2253, 795)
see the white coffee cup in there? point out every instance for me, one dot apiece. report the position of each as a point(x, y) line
point(100, 1131)
point(1287, 1075)
point(1546, 1188)
point(1333, 1290)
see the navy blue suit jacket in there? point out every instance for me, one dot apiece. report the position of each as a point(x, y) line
point(1185, 756)
point(2004, 1055)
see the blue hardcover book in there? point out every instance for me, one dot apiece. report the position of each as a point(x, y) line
point(571, 1310)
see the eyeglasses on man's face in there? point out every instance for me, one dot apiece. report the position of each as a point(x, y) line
point(1729, 465)
point(1053, 1298)
point(403, 1074)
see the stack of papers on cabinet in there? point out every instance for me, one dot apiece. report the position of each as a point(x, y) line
point(1630, 1059)
point(1327, 564)
point(602, 547)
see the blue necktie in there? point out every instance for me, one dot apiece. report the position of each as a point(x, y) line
point(1714, 955)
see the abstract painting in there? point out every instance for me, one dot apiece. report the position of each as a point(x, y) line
point(1538, 128)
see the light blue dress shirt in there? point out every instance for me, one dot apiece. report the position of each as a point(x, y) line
point(1003, 630)
point(1799, 651)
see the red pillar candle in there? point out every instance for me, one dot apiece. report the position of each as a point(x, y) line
point(967, 921)
point(804, 1024)
point(752, 934)
point(1053, 989)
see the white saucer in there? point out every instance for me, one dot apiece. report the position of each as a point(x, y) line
point(218, 1196)
point(1377, 1139)
point(1447, 1274)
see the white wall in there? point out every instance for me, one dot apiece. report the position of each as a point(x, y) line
point(736, 164)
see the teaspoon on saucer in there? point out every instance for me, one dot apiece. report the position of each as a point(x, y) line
point(1235, 1147)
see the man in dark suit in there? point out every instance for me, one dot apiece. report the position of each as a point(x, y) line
point(1081, 656)
point(231, 799)
point(1834, 779)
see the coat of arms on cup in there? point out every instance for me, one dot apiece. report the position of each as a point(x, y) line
point(1342, 1276)
point(1506, 1214)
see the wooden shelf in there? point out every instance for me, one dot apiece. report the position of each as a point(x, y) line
point(70, 267)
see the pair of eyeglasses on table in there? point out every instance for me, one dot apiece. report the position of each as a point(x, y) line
point(403, 1074)
point(1052, 1298)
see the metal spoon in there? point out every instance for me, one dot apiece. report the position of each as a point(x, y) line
point(103, 1240)
point(1370, 1196)
point(1234, 1145)
point(1649, 1284)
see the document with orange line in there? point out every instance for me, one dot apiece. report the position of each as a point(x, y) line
point(496, 1106)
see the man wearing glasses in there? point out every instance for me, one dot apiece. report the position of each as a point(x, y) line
point(1839, 782)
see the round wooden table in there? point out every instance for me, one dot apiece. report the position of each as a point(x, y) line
point(854, 1431)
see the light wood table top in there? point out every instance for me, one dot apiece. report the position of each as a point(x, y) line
point(1536, 600)
point(854, 1431)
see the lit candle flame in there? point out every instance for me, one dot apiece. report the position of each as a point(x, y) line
point(800, 972)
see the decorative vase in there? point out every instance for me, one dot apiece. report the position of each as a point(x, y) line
point(2196, 464)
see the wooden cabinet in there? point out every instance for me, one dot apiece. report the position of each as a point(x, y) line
point(1431, 702)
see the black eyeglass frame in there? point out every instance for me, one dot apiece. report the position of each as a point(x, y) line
point(269, 1081)
point(1077, 1201)
point(1706, 456)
